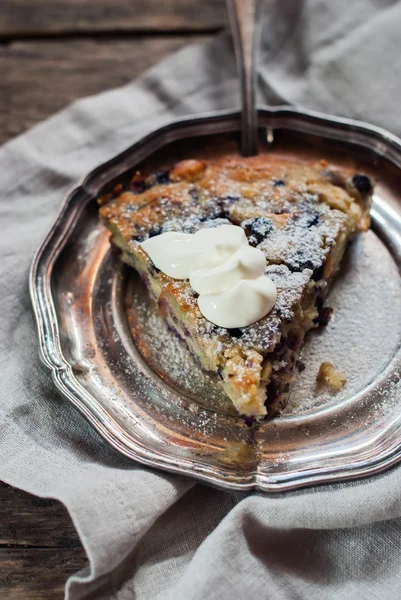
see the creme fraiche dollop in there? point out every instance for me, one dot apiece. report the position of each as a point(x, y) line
point(226, 272)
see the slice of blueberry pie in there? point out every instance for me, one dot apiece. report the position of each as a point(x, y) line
point(292, 223)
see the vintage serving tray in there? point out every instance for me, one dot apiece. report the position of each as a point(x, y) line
point(111, 356)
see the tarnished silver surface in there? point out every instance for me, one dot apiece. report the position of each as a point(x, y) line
point(86, 304)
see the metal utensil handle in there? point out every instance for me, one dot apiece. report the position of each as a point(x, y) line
point(245, 27)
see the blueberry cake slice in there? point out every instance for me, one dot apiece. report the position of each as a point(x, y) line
point(301, 216)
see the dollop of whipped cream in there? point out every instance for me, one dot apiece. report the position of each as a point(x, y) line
point(226, 272)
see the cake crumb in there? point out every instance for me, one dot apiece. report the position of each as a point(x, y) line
point(331, 377)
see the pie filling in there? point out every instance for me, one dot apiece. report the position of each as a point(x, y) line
point(300, 215)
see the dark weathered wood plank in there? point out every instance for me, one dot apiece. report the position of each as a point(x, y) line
point(28, 521)
point(26, 17)
point(38, 575)
point(39, 78)
point(39, 547)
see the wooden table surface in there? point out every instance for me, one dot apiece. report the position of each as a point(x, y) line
point(52, 52)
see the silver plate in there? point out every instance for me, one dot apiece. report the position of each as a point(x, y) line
point(112, 358)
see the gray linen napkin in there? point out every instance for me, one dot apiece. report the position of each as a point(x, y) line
point(154, 536)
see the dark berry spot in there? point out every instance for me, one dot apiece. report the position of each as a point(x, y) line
point(213, 329)
point(137, 184)
point(229, 199)
point(223, 204)
point(161, 177)
point(154, 231)
point(220, 373)
point(278, 182)
point(312, 220)
point(236, 332)
point(298, 262)
point(286, 388)
point(194, 194)
point(137, 187)
point(325, 315)
point(158, 178)
point(300, 365)
point(249, 421)
point(294, 340)
point(175, 332)
point(362, 183)
point(280, 348)
point(140, 234)
point(257, 229)
point(174, 318)
point(318, 273)
point(271, 391)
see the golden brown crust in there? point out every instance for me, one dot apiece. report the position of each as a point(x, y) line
point(255, 182)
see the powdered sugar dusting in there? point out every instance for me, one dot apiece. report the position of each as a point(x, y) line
point(170, 357)
point(290, 287)
point(364, 331)
point(305, 239)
